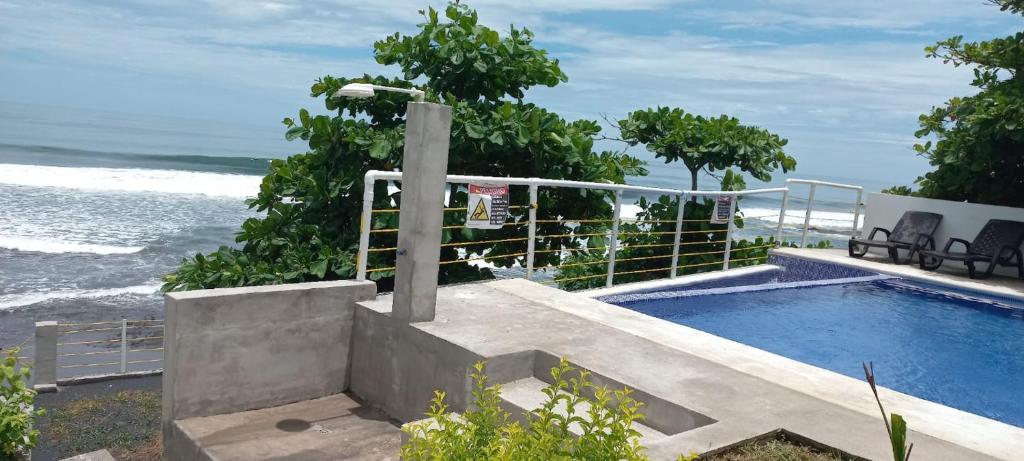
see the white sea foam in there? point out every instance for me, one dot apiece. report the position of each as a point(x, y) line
point(131, 180)
point(824, 220)
point(59, 246)
point(26, 299)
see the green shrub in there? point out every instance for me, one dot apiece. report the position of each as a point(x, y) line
point(16, 414)
point(485, 432)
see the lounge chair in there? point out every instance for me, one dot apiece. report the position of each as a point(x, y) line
point(912, 232)
point(998, 243)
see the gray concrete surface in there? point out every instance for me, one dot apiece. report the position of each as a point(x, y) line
point(237, 349)
point(424, 168)
point(702, 392)
point(99, 455)
point(44, 368)
point(397, 367)
point(330, 428)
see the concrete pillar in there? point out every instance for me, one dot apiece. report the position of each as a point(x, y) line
point(44, 370)
point(424, 168)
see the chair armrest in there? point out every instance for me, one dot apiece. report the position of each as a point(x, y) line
point(952, 240)
point(876, 230)
point(1008, 249)
point(924, 239)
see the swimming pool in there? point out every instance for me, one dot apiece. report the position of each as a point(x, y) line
point(958, 349)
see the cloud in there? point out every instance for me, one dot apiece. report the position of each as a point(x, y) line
point(841, 76)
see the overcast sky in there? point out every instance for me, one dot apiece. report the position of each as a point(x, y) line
point(843, 80)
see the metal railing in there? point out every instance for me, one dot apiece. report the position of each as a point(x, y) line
point(66, 351)
point(614, 242)
point(808, 211)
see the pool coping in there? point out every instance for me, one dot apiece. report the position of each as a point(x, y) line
point(978, 433)
point(676, 282)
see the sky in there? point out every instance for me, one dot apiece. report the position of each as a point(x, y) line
point(844, 81)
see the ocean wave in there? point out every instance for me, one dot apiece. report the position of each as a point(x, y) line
point(59, 246)
point(131, 180)
point(27, 299)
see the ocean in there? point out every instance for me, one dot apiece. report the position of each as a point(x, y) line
point(98, 206)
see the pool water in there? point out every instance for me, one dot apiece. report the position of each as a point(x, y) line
point(957, 350)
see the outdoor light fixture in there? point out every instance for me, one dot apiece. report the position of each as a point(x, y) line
point(366, 90)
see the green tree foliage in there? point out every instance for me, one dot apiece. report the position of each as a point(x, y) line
point(709, 144)
point(17, 436)
point(312, 201)
point(485, 431)
point(701, 144)
point(979, 153)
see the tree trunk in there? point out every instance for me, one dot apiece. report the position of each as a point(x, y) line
point(693, 183)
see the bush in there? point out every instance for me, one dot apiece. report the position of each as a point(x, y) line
point(485, 432)
point(16, 408)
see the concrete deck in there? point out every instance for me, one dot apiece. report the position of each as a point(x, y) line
point(335, 428)
point(950, 274)
point(731, 392)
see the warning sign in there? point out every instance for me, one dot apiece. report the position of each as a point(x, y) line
point(488, 206)
point(721, 213)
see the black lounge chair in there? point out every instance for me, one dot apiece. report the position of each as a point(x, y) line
point(998, 243)
point(912, 232)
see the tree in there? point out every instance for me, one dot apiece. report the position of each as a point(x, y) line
point(978, 155)
point(709, 144)
point(312, 201)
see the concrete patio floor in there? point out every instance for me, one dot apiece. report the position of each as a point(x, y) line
point(745, 392)
point(336, 428)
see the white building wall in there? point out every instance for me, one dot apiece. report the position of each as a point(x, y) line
point(959, 219)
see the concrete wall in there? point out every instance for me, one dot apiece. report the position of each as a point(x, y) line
point(235, 349)
point(959, 219)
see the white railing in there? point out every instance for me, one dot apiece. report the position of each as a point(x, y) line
point(64, 351)
point(534, 184)
point(812, 187)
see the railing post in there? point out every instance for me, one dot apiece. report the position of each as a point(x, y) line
point(613, 245)
point(44, 370)
point(856, 213)
point(532, 230)
point(679, 234)
point(364, 226)
point(782, 213)
point(728, 232)
point(124, 346)
point(807, 216)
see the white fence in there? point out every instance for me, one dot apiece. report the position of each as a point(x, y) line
point(69, 351)
point(613, 235)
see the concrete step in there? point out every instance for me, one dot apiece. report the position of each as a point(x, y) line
point(527, 394)
point(335, 428)
point(100, 455)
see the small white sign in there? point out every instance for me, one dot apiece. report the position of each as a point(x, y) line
point(720, 215)
point(487, 207)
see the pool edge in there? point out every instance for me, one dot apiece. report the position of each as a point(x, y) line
point(976, 432)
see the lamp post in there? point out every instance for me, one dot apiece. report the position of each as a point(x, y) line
point(424, 169)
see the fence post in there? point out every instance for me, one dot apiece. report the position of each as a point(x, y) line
point(782, 213)
point(364, 226)
point(124, 346)
point(613, 245)
point(532, 230)
point(679, 234)
point(728, 232)
point(856, 213)
point(44, 370)
point(807, 216)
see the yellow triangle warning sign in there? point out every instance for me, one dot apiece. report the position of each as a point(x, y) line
point(480, 212)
